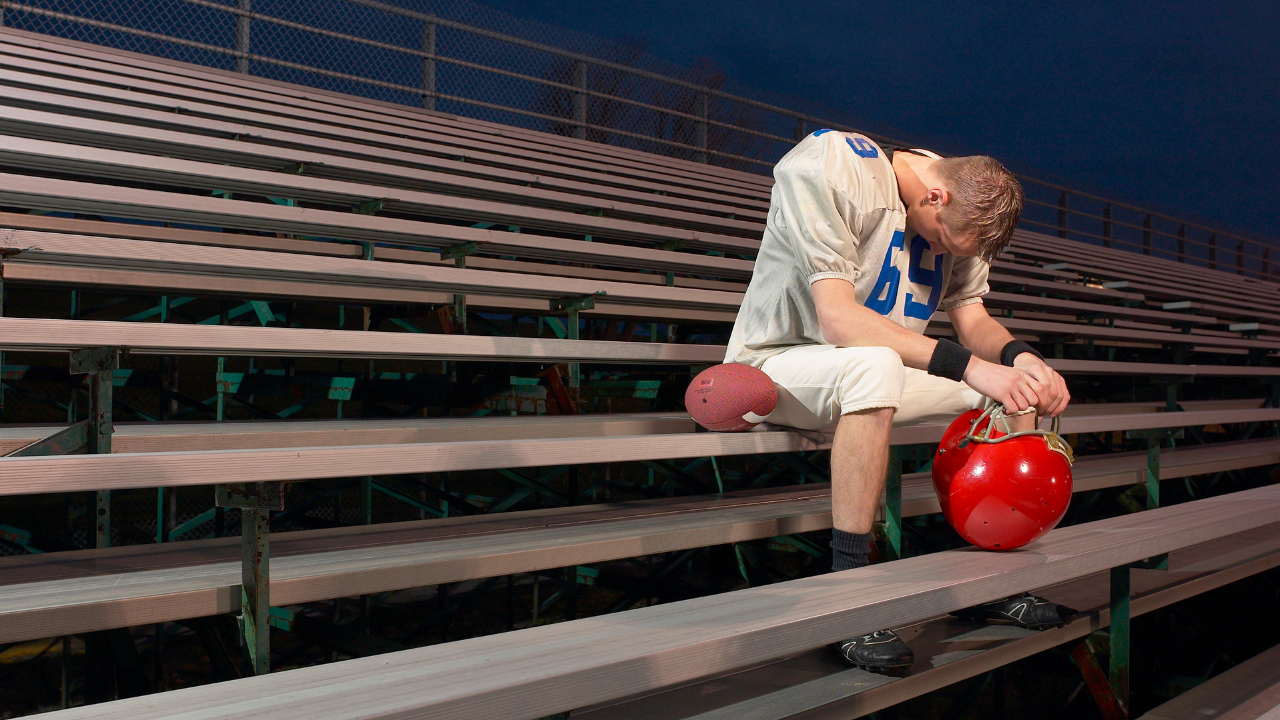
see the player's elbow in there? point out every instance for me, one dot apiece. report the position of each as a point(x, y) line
point(832, 301)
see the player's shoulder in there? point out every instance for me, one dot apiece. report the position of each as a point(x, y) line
point(850, 162)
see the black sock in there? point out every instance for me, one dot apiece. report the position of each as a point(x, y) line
point(849, 550)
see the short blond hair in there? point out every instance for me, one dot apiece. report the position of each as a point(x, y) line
point(985, 198)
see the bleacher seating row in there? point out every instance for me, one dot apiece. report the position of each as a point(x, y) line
point(367, 203)
point(545, 670)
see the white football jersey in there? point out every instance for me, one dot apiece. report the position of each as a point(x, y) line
point(835, 213)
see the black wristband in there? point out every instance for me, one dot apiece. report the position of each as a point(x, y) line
point(949, 360)
point(1013, 349)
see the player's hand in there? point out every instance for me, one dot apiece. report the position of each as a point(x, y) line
point(1049, 386)
point(1010, 386)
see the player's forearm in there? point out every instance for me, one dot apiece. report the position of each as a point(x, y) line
point(856, 326)
point(979, 332)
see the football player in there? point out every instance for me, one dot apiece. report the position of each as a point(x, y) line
point(861, 247)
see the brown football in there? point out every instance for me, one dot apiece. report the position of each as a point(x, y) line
point(730, 397)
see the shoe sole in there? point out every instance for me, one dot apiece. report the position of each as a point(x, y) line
point(883, 668)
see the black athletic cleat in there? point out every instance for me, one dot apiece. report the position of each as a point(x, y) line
point(881, 651)
point(1025, 611)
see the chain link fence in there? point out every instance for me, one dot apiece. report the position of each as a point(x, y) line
point(457, 57)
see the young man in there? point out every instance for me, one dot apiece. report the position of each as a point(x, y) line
point(860, 249)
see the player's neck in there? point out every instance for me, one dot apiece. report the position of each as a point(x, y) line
point(907, 168)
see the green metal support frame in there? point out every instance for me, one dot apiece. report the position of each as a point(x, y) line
point(893, 505)
point(459, 253)
point(255, 501)
point(1155, 438)
point(571, 306)
point(1112, 692)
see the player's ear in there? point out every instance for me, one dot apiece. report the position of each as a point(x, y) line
point(935, 196)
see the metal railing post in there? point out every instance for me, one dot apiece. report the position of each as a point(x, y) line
point(1213, 251)
point(580, 100)
point(1182, 243)
point(700, 128)
point(1146, 235)
point(1062, 214)
point(802, 129)
point(429, 67)
point(242, 38)
point(1106, 226)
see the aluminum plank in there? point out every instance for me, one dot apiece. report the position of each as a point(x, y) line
point(544, 670)
point(20, 152)
point(228, 265)
point(532, 163)
point(81, 591)
point(85, 197)
point(155, 68)
point(118, 471)
point(819, 686)
point(172, 339)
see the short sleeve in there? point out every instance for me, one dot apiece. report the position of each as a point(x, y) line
point(968, 283)
point(813, 214)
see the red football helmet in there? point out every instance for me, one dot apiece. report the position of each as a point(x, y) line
point(1001, 490)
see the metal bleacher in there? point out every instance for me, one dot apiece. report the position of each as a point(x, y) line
point(288, 193)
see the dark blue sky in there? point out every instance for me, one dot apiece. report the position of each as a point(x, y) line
point(1173, 105)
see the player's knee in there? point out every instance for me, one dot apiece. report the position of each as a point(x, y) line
point(873, 373)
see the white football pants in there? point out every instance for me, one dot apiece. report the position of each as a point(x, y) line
point(819, 383)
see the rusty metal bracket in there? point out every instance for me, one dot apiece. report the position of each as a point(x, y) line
point(100, 365)
point(575, 303)
point(95, 360)
point(454, 252)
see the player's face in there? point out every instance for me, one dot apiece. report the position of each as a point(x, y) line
point(958, 244)
point(941, 238)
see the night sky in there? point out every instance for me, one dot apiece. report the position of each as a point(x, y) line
point(1174, 106)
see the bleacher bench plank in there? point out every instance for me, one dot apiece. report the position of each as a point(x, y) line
point(81, 591)
point(819, 686)
point(544, 670)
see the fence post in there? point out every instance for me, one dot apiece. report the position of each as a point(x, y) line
point(242, 38)
point(1240, 258)
point(1182, 243)
point(1146, 235)
point(580, 100)
point(429, 66)
point(700, 128)
point(1106, 226)
point(1062, 214)
point(1213, 251)
point(802, 129)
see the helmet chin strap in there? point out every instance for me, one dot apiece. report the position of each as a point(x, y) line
point(997, 413)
